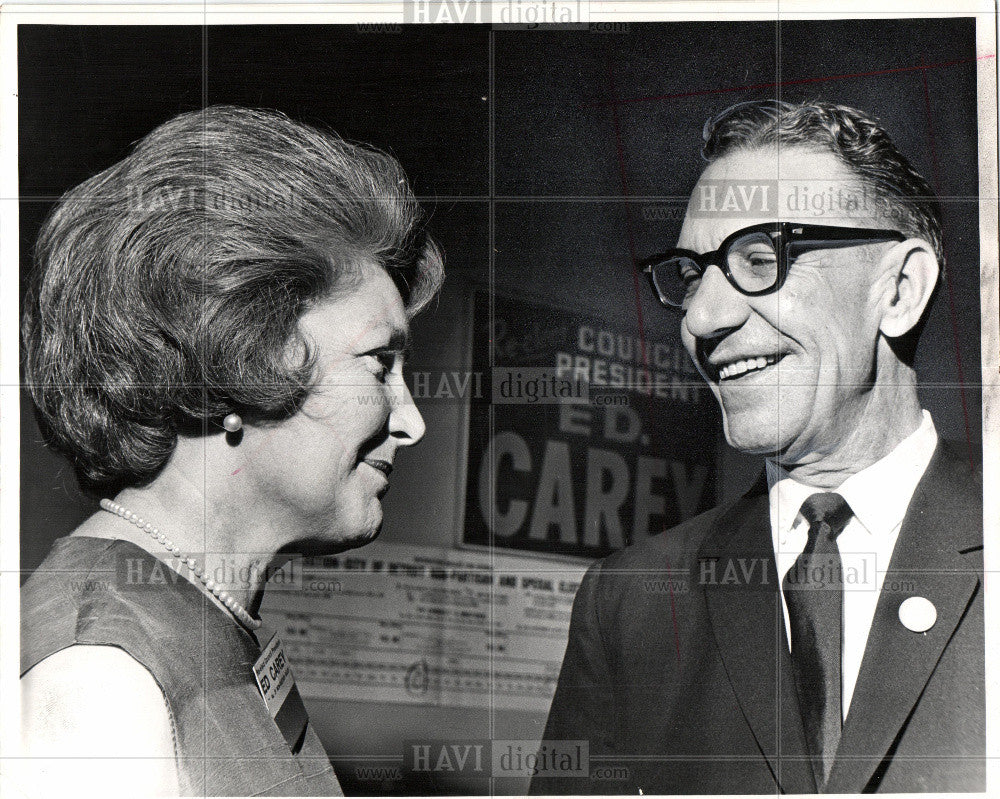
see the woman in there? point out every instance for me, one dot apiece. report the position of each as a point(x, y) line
point(214, 337)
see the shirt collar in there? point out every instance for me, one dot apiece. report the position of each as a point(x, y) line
point(879, 494)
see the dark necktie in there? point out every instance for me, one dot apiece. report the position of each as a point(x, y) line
point(814, 593)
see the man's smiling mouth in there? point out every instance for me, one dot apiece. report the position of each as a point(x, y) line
point(744, 366)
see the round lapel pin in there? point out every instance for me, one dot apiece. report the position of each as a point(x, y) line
point(917, 614)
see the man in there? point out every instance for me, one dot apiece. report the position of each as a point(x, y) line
point(824, 633)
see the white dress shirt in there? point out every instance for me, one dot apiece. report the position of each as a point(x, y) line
point(879, 497)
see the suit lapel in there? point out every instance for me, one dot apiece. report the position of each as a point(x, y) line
point(937, 556)
point(739, 579)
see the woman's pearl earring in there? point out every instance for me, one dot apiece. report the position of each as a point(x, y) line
point(233, 423)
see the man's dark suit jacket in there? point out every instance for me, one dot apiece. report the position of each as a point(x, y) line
point(685, 680)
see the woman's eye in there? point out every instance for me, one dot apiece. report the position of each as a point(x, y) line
point(383, 363)
point(380, 364)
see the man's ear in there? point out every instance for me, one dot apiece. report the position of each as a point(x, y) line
point(911, 274)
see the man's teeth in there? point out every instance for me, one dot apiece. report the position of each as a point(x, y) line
point(746, 365)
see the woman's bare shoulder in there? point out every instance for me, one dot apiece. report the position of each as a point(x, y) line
point(97, 702)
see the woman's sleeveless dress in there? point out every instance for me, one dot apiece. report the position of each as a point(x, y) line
point(100, 591)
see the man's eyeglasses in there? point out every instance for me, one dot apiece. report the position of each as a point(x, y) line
point(755, 259)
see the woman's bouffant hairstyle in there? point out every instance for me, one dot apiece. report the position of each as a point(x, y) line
point(168, 289)
point(860, 143)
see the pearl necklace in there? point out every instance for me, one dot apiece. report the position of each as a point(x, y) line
point(234, 607)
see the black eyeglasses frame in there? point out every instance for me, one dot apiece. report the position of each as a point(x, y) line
point(782, 234)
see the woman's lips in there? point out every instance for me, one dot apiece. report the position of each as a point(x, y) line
point(384, 468)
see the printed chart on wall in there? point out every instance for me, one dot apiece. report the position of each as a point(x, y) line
point(598, 437)
point(423, 625)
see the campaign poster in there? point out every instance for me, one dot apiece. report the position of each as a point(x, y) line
point(595, 437)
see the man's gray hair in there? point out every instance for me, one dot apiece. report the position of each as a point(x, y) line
point(858, 140)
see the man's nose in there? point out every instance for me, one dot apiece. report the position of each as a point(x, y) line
point(406, 424)
point(715, 307)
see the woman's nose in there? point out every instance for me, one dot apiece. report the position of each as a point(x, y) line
point(406, 424)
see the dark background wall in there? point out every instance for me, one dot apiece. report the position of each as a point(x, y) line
point(571, 175)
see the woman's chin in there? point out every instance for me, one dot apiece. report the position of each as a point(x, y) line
point(320, 545)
